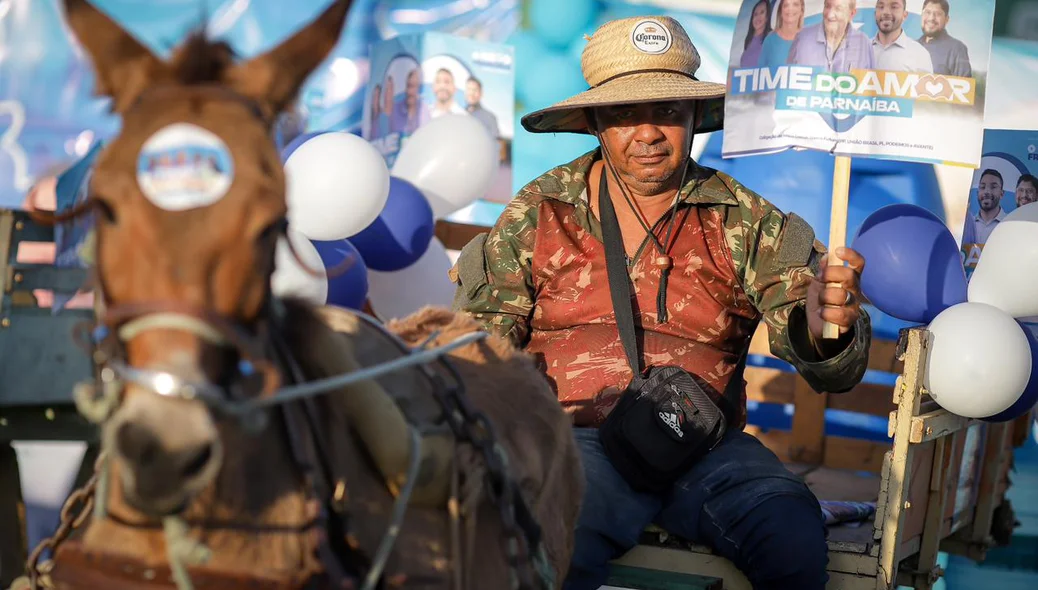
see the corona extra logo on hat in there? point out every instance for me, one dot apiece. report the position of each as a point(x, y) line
point(641, 59)
point(649, 36)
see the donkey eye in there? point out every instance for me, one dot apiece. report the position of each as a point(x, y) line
point(273, 230)
point(104, 207)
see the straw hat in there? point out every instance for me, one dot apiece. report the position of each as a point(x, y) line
point(634, 60)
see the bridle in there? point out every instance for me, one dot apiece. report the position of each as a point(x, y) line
point(262, 352)
point(267, 376)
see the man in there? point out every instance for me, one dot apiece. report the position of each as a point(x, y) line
point(443, 90)
point(834, 43)
point(406, 112)
point(730, 259)
point(895, 51)
point(1026, 190)
point(473, 96)
point(989, 197)
point(949, 55)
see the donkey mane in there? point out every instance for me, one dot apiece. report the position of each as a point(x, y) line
point(198, 60)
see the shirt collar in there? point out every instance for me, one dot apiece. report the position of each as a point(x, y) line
point(568, 183)
point(900, 41)
point(940, 36)
point(820, 35)
point(1001, 215)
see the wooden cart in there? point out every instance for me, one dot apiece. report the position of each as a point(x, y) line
point(939, 480)
point(939, 485)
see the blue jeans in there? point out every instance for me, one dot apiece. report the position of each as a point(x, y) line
point(739, 500)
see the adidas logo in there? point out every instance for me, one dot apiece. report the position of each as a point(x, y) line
point(672, 420)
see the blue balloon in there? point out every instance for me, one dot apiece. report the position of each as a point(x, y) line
point(349, 288)
point(1029, 397)
point(296, 142)
point(554, 78)
point(913, 270)
point(402, 231)
point(558, 23)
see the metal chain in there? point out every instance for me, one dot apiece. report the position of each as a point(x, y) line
point(471, 425)
point(74, 513)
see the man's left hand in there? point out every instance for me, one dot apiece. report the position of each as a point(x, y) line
point(840, 305)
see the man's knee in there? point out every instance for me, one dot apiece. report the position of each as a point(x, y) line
point(782, 544)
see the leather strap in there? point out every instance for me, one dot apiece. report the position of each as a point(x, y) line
point(619, 278)
point(620, 291)
point(78, 568)
point(308, 443)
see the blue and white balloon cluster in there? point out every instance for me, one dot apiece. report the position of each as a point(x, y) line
point(345, 204)
point(982, 361)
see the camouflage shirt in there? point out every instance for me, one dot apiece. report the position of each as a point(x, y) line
point(539, 278)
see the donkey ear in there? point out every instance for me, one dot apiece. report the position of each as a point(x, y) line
point(275, 77)
point(124, 67)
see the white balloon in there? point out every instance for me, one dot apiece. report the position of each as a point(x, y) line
point(452, 159)
point(979, 360)
point(1028, 212)
point(1006, 275)
point(290, 279)
point(337, 185)
point(400, 293)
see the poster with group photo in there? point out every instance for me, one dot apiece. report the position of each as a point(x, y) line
point(1007, 179)
point(896, 79)
point(417, 78)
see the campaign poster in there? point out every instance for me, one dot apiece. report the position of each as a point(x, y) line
point(416, 78)
point(893, 79)
point(1006, 179)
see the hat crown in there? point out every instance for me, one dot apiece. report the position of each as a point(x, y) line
point(642, 43)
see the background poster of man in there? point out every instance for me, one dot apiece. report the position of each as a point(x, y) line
point(1007, 179)
point(407, 109)
point(474, 106)
point(416, 78)
point(444, 94)
point(860, 78)
point(894, 49)
point(835, 43)
point(949, 55)
point(455, 85)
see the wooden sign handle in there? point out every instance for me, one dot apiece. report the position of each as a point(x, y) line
point(838, 226)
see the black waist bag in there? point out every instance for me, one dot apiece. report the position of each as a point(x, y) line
point(665, 421)
point(660, 428)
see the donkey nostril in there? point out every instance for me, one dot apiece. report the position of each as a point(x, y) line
point(137, 444)
point(196, 463)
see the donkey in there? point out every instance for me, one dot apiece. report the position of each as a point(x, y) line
point(387, 482)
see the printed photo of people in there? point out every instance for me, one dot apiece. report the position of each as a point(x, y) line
point(418, 78)
point(1006, 180)
point(845, 35)
point(455, 88)
point(394, 102)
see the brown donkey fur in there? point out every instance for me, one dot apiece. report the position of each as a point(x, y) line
point(256, 484)
point(242, 495)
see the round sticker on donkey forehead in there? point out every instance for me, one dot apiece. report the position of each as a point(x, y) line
point(183, 166)
point(651, 36)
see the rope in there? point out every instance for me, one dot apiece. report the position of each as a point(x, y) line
point(182, 551)
point(320, 386)
point(396, 520)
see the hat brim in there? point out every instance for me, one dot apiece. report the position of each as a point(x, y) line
point(568, 115)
